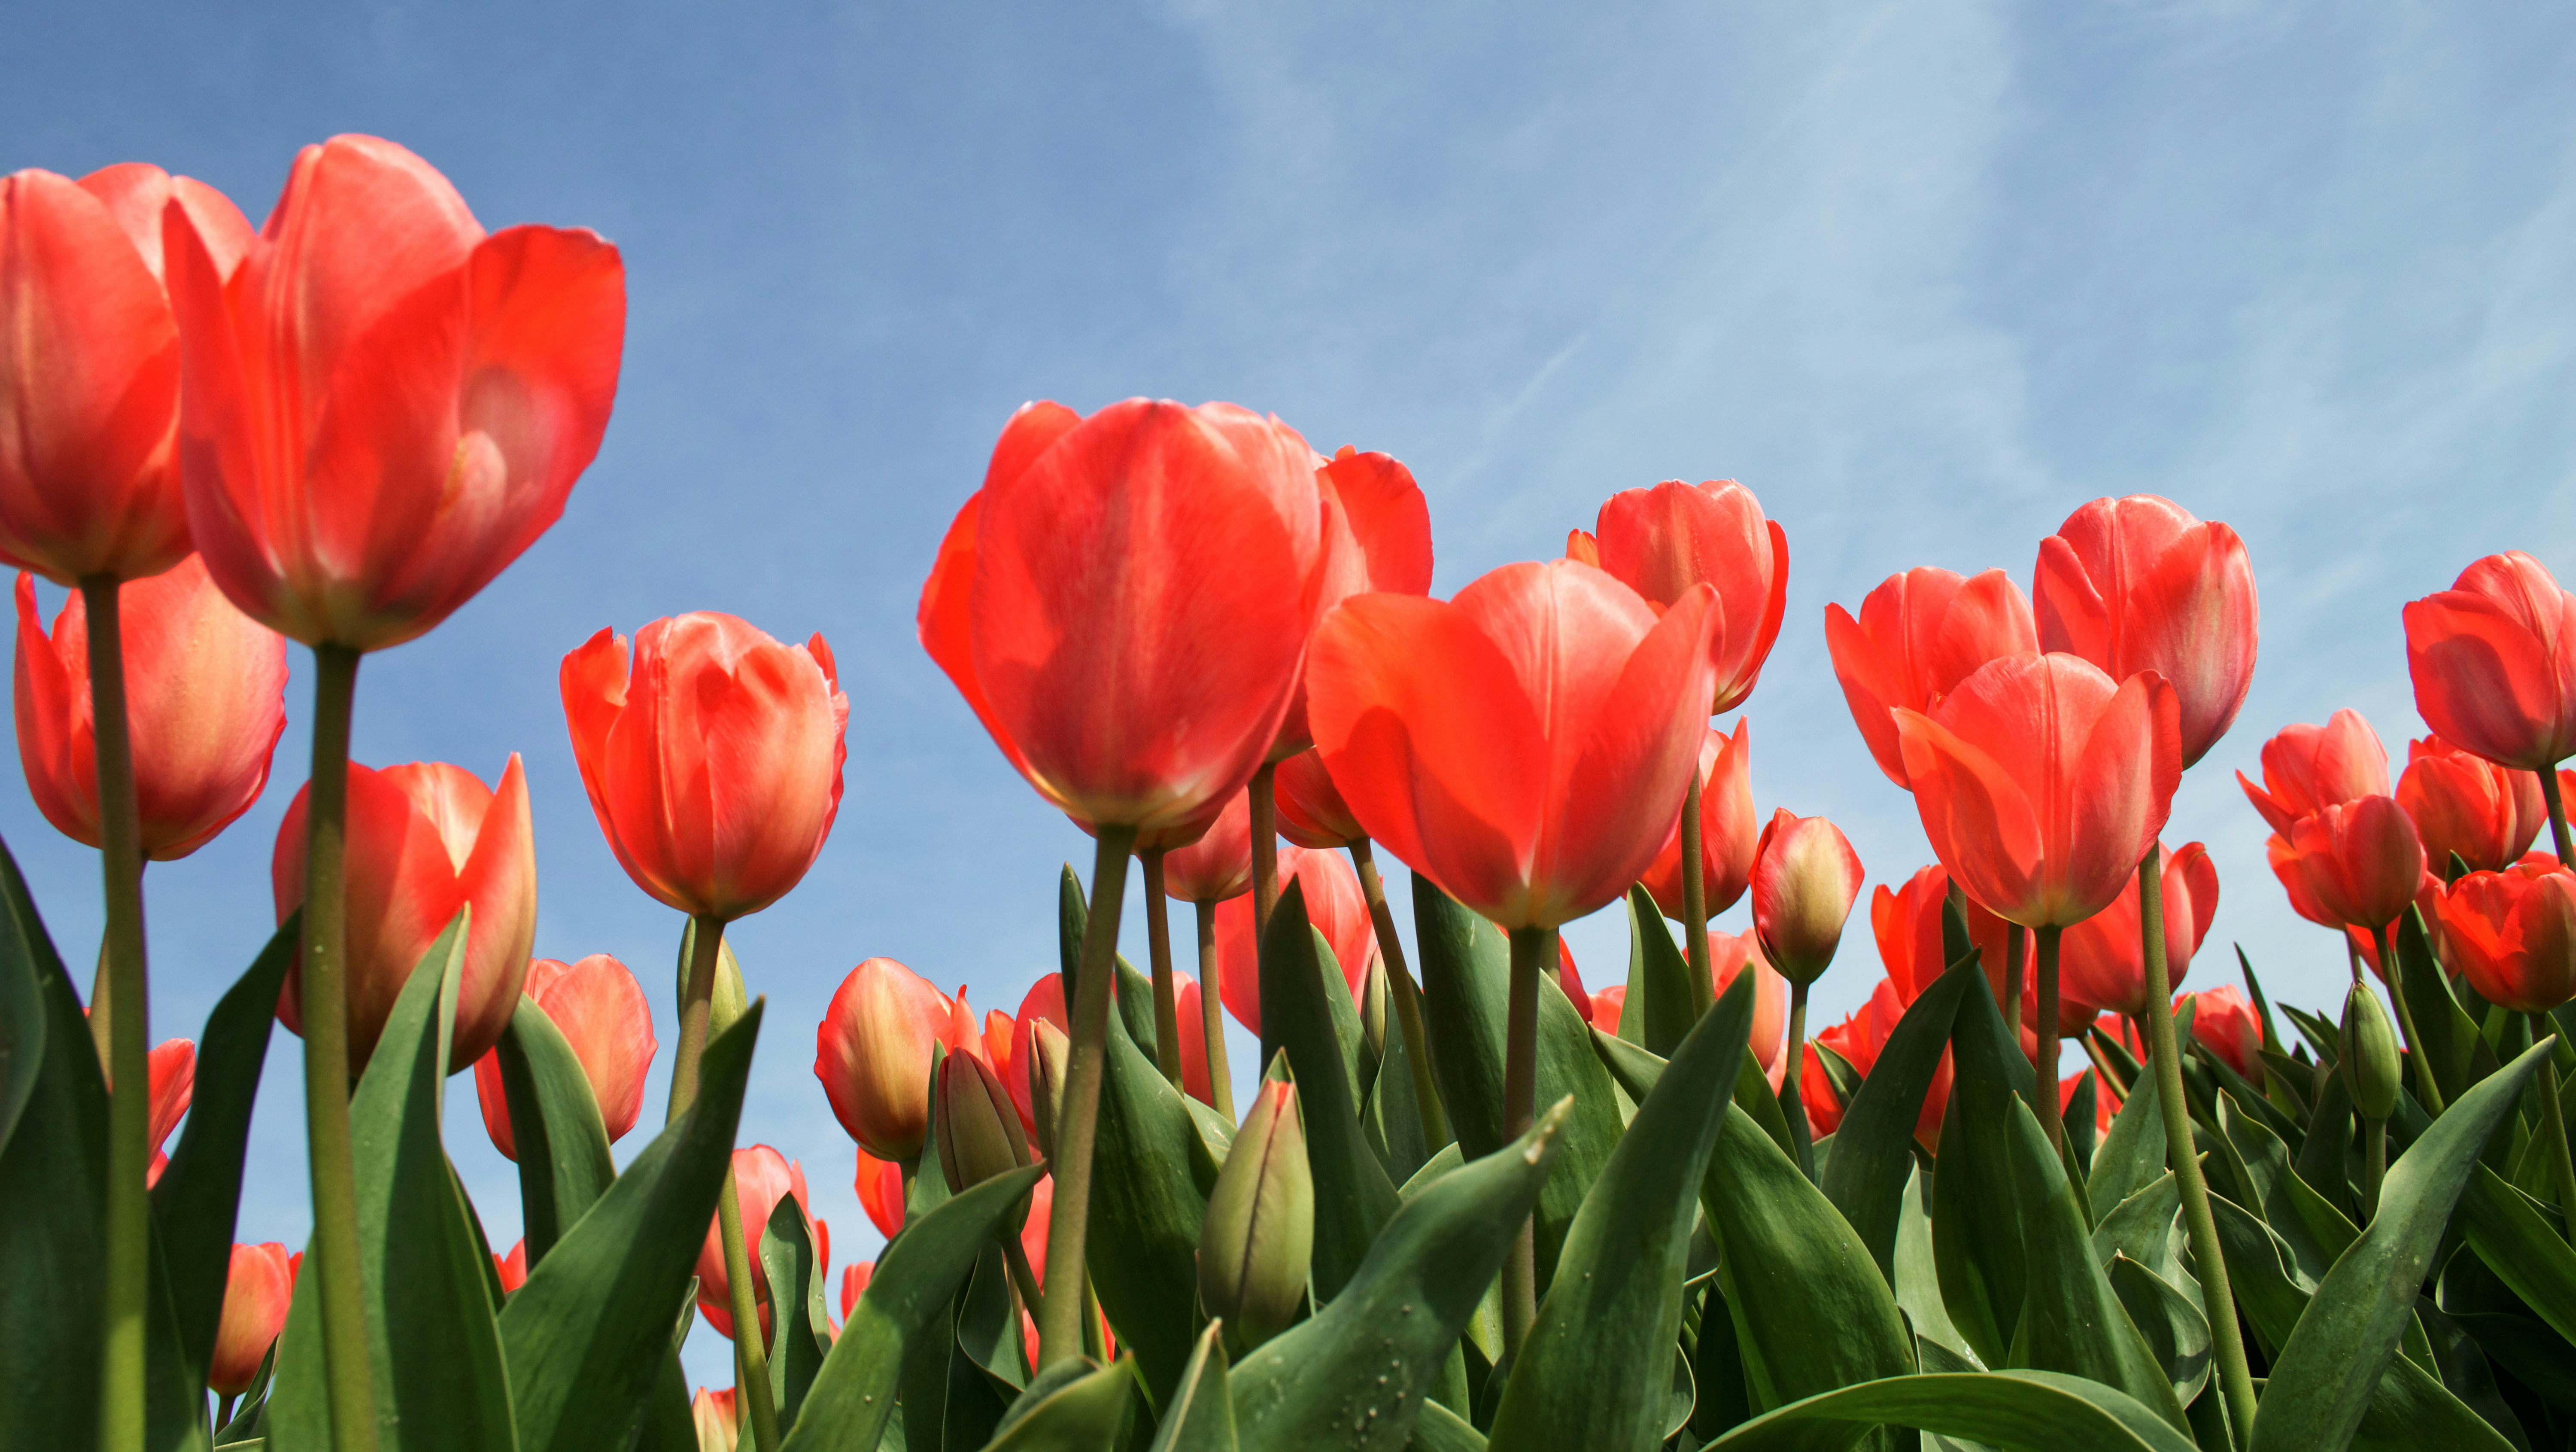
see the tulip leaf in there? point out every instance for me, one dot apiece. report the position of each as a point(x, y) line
point(1976, 1230)
point(1357, 1374)
point(1917, 1281)
point(2521, 1248)
point(988, 1326)
point(2321, 1382)
point(23, 1026)
point(555, 1127)
point(1391, 1117)
point(2142, 1228)
point(2448, 1036)
point(2131, 1154)
point(2038, 1411)
point(799, 1328)
point(1078, 1413)
point(1874, 1145)
point(853, 1394)
point(1200, 1415)
point(2175, 1328)
point(2315, 1231)
point(1659, 986)
point(1438, 1429)
point(2325, 1157)
point(1588, 1374)
point(1353, 1197)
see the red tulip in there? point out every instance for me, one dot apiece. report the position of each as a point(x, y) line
point(1859, 1039)
point(1524, 746)
point(880, 1189)
point(1805, 879)
point(2515, 933)
point(205, 699)
point(1607, 1005)
point(1907, 926)
point(2138, 584)
point(424, 840)
point(718, 1423)
point(512, 1268)
point(2494, 662)
point(2428, 902)
point(872, 1052)
point(2360, 860)
point(1311, 810)
point(172, 1066)
point(2465, 804)
point(382, 407)
point(715, 767)
point(89, 368)
point(1730, 954)
point(1730, 829)
point(854, 1284)
point(1334, 905)
point(1187, 1003)
point(761, 1178)
point(2224, 1022)
point(602, 1012)
point(2309, 768)
point(2104, 963)
point(1662, 541)
point(1219, 864)
point(1044, 1004)
point(1919, 634)
point(1033, 1240)
point(2041, 783)
point(1569, 981)
point(1125, 603)
point(1377, 537)
point(257, 1290)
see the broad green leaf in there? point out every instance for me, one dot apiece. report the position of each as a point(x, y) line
point(1356, 1375)
point(1976, 1229)
point(2031, 1411)
point(2315, 1231)
point(1449, 1158)
point(2130, 1156)
point(2325, 1160)
point(989, 1334)
point(1353, 1197)
point(1080, 1414)
point(1588, 1373)
point(2521, 1247)
point(1439, 1429)
point(1874, 1146)
point(592, 1326)
point(2175, 1327)
point(799, 1327)
point(2321, 1382)
point(1391, 1117)
point(2466, 1373)
point(1917, 1281)
point(555, 1126)
point(1200, 1415)
point(2250, 1101)
point(2142, 1228)
point(847, 1407)
point(1149, 1187)
point(1659, 983)
point(2536, 1356)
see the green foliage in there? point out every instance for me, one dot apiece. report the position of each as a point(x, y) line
point(562, 1143)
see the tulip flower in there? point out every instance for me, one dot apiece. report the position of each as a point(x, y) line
point(854, 1284)
point(513, 1267)
point(1730, 829)
point(1607, 1005)
point(1219, 864)
point(1259, 1232)
point(2466, 806)
point(425, 839)
point(1805, 879)
point(1334, 906)
point(172, 1069)
point(2515, 933)
point(2224, 1021)
point(2309, 768)
point(1730, 954)
point(719, 1424)
point(1377, 538)
point(879, 1184)
point(1311, 810)
point(1662, 541)
point(1859, 1039)
point(872, 1052)
point(1044, 1004)
point(257, 1290)
point(601, 1010)
point(1919, 634)
point(2494, 662)
point(2361, 861)
point(1569, 981)
point(761, 1178)
point(1906, 922)
point(2103, 961)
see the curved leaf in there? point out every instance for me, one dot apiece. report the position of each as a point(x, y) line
point(555, 1126)
point(2174, 1325)
point(1079, 1414)
point(1353, 1197)
point(2030, 1411)
point(1976, 1229)
point(2315, 1230)
point(799, 1328)
point(1442, 1430)
point(2521, 1248)
point(1874, 1145)
point(2130, 1156)
point(1200, 1415)
point(1150, 1179)
point(1659, 986)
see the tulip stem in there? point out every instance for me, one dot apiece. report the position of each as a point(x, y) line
point(2012, 980)
point(2426, 1089)
point(129, 1102)
point(751, 1359)
point(1167, 1001)
point(1023, 1275)
point(1212, 1017)
point(2044, 1061)
point(2557, 814)
point(2374, 1168)
point(2553, 1121)
point(1060, 1316)
point(1265, 847)
point(348, 1365)
point(1695, 902)
point(1408, 998)
point(706, 945)
point(2235, 1377)
point(1533, 956)
point(1793, 1082)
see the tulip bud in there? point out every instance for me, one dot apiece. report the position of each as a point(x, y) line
point(2369, 1054)
point(719, 1428)
point(1805, 879)
point(979, 1131)
point(1260, 1228)
point(1373, 1010)
point(1046, 1080)
point(257, 1290)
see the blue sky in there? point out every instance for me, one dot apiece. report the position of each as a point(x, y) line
point(1924, 277)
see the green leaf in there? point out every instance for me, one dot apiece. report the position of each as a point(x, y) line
point(847, 1407)
point(988, 1326)
point(1588, 1372)
point(1080, 1414)
point(2175, 1327)
point(2321, 1381)
point(799, 1327)
point(1659, 982)
point(2450, 1036)
point(2521, 1247)
point(1200, 1416)
point(1150, 1177)
point(1391, 1117)
point(1874, 1147)
point(1917, 1280)
point(1439, 1429)
point(2315, 1231)
point(1976, 1231)
point(1356, 1374)
point(2142, 1228)
point(2324, 1159)
point(1353, 1197)
point(2034, 1411)
point(555, 1126)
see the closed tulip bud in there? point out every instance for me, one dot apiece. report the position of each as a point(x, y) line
point(1052, 1052)
point(1805, 879)
point(1373, 1006)
point(257, 1291)
point(872, 1052)
point(2371, 1069)
point(713, 1412)
point(601, 1010)
point(1260, 1229)
point(979, 1130)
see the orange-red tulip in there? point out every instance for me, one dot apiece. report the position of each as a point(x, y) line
point(205, 699)
point(1569, 981)
point(424, 839)
point(2309, 768)
point(718, 1422)
point(714, 766)
point(1607, 1005)
point(854, 1284)
point(89, 368)
point(1732, 953)
point(2361, 861)
point(1662, 541)
point(1906, 923)
point(1526, 745)
point(1311, 810)
point(1919, 634)
point(172, 1066)
point(2515, 932)
point(1125, 602)
point(1859, 1039)
point(2104, 962)
point(257, 1290)
point(1377, 536)
point(2042, 783)
point(1730, 830)
point(1334, 905)
point(1043, 1004)
point(1033, 1240)
point(383, 406)
point(2138, 584)
point(2224, 1022)
point(761, 1178)
point(1219, 864)
point(872, 1052)
point(2465, 804)
point(603, 1014)
point(513, 1267)
point(1805, 879)
point(2428, 902)
point(879, 1184)
point(2494, 662)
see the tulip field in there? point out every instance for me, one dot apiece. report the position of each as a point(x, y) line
point(2027, 1197)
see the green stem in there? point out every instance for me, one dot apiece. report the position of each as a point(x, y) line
point(1793, 1083)
point(751, 1358)
point(1078, 1120)
point(706, 944)
point(1265, 847)
point(2235, 1377)
point(2557, 814)
point(1533, 957)
point(2012, 980)
point(348, 1367)
point(1167, 994)
point(1024, 1277)
point(1408, 998)
point(2554, 1123)
point(129, 1104)
point(1212, 1015)
point(2394, 973)
point(2044, 1061)
point(1703, 975)
point(2375, 1168)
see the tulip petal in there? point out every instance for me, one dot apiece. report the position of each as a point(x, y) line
point(1623, 797)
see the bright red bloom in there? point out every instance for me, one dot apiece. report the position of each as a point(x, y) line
point(2102, 960)
point(205, 699)
point(1859, 1039)
point(2494, 662)
point(1125, 603)
point(1919, 634)
point(1377, 537)
point(425, 839)
point(854, 1284)
point(1219, 864)
point(172, 1067)
point(1730, 830)
point(257, 1290)
point(2309, 768)
point(880, 1189)
point(872, 1052)
point(2138, 584)
point(2428, 901)
point(1730, 954)
point(715, 766)
point(1044, 1004)
point(1311, 810)
point(1662, 541)
point(2224, 1021)
point(761, 1178)
point(1524, 746)
point(1569, 981)
point(2515, 932)
point(2042, 783)
point(1334, 905)
point(602, 1012)
point(1607, 1005)
point(1805, 879)
point(513, 1267)
point(1906, 923)
point(383, 406)
point(2361, 861)
point(2465, 804)
point(89, 368)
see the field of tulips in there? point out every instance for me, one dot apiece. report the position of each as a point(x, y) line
point(2026, 1197)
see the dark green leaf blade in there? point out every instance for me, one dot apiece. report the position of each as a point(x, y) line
point(562, 1143)
point(2038, 1411)
point(1874, 1146)
point(1661, 990)
point(1200, 1416)
point(1353, 1197)
point(1149, 1189)
point(1082, 1414)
